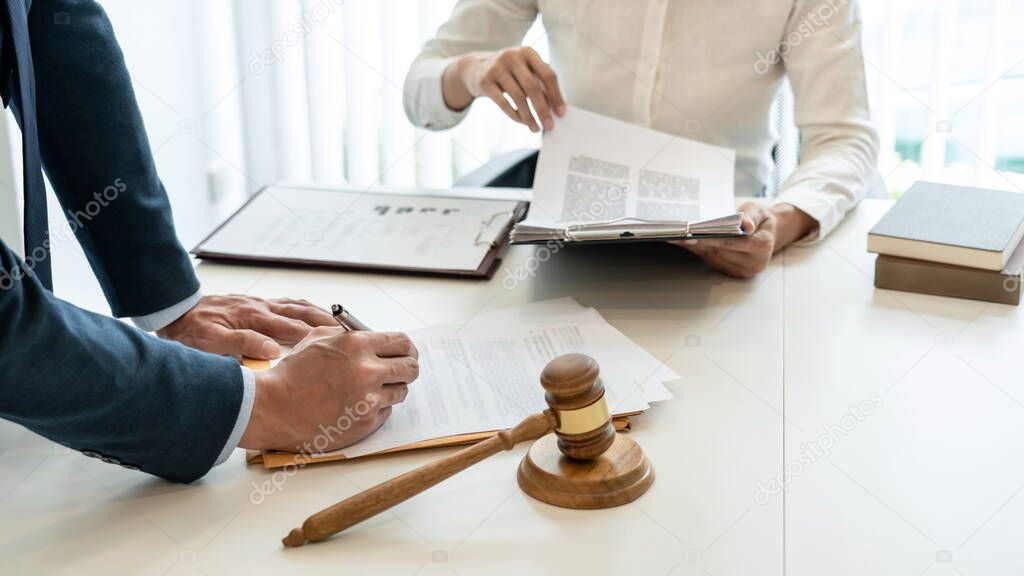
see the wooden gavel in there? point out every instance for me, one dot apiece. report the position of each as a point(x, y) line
point(597, 468)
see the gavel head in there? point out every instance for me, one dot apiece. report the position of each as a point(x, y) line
point(576, 397)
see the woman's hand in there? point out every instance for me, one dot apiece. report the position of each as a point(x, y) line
point(768, 231)
point(518, 72)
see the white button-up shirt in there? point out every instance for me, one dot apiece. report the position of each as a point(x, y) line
point(708, 70)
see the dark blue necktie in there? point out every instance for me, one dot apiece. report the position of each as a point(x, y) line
point(37, 251)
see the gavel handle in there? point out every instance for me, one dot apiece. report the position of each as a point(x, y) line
point(369, 503)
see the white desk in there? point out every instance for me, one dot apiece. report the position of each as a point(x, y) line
point(932, 474)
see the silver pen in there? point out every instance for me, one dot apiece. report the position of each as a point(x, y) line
point(346, 320)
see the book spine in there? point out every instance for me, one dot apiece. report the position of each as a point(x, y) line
point(944, 280)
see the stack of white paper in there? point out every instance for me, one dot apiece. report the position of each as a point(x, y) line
point(485, 375)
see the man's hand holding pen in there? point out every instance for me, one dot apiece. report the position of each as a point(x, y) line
point(338, 383)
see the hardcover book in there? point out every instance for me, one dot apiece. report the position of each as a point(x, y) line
point(962, 226)
point(894, 273)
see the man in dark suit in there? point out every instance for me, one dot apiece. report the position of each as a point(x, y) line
point(112, 391)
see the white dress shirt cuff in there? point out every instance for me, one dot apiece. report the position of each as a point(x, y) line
point(815, 205)
point(157, 320)
point(425, 98)
point(244, 413)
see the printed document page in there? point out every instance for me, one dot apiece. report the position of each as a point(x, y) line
point(593, 168)
point(485, 375)
point(358, 226)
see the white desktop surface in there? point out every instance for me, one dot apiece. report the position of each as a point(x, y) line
point(929, 483)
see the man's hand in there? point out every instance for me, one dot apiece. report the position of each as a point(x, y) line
point(238, 325)
point(334, 389)
point(769, 230)
point(518, 72)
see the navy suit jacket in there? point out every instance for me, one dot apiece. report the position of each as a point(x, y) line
point(85, 380)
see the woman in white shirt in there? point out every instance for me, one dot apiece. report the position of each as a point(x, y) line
point(704, 69)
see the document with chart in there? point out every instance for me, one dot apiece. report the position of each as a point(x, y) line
point(602, 179)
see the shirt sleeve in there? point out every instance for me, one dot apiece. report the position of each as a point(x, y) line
point(244, 413)
point(821, 54)
point(474, 25)
point(161, 318)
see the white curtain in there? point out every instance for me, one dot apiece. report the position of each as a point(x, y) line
point(322, 94)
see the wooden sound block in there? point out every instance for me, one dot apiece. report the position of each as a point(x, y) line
point(618, 476)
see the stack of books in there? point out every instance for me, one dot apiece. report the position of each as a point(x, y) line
point(952, 241)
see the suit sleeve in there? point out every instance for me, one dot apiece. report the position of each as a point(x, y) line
point(104, 388)
point(475, 25)
point(96, 155)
